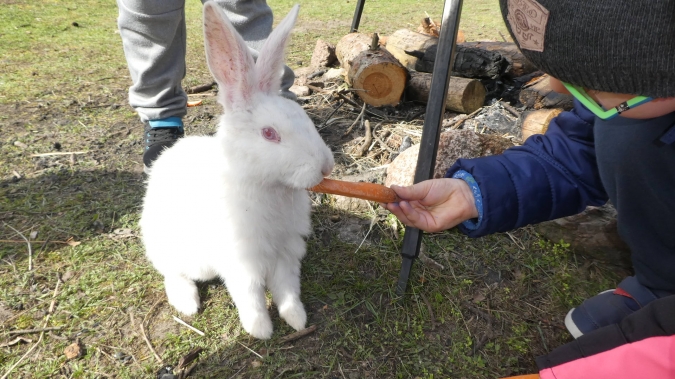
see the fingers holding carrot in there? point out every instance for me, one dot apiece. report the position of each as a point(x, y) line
point(434, 205)
point(431, 205)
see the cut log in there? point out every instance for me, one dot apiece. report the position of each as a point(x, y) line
point(519, 64)
point(536, 122)
point(377, 75)
point(488, 60)
point(464, 95)
point(417, 51)
point(350, 46)
point(408, 46)
point(537, 94)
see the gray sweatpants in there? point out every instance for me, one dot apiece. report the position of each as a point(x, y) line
point(154, 41)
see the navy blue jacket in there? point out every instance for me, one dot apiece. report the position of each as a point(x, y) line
point(550, 176)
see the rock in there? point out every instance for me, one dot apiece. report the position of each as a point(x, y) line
point(301, 75)
point(592, 234)
point(334, 73)
point(74, 350)
point(452, 145)
point(324, 55)
point(300, 91)
point(496, 119)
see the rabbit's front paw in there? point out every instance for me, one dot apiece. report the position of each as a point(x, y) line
point(182, 294)
point(258, 325)
point(186, 305)
point(294, 314)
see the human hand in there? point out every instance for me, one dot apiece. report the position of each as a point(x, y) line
point(434, 205)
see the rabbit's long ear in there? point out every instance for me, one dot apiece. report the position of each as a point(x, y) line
point(270, 61)
point(229, 59)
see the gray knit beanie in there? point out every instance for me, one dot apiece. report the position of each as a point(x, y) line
point(621, 46)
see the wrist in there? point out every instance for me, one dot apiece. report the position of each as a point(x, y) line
point(473, 212)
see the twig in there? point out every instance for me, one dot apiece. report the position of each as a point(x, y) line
point(22, 357)
point(384, 144)
point(145, 337)
point(316, 73)
point(249, 349)
point(28, 331)
point(188, 358)
point(367, 140)
point(16, 341)
point(200, 88)
point(374, 42)
point(187, 371)
point(42, 334)
point(354, 104)
point(297, 335)
point(349, 130)
point(486, 316)
point(431, 20)
point(431, 312)
point(59, 153)
point(460, 122)
point(509, 108)
point(315, 88)
point(30, 250)
point(502, 34)
point(188, 326)
point(45, 242)
point(429, 262)
point(323, 124)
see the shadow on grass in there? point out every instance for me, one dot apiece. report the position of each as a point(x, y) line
point(495, 304)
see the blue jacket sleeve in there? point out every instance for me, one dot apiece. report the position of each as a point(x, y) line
point(550, 176)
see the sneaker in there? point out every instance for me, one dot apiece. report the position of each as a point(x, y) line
point(608, 307)
point(160, 135)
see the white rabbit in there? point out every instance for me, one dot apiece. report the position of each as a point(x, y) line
point(234, 205)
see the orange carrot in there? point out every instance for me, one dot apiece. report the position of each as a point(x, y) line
point(361, 190)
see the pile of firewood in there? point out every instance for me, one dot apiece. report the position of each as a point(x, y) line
point(385, 70)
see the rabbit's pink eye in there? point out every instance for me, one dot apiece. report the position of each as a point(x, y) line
point(271, 135)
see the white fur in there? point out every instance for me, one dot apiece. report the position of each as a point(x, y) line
point(234, 205)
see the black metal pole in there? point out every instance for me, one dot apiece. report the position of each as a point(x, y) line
point(438, 94)
point(357, 15)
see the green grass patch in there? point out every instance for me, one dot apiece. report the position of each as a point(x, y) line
point(497, 302)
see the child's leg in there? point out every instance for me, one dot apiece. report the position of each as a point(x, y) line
point(253, 20)
point(153, 37)
point(638, 170)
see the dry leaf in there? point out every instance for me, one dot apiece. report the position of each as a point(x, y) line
point(69, 274)
point(74, 350)
point(477, 298)
point(71, 242)
point(16, 341)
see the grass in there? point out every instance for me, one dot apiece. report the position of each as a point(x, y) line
point(497, 303)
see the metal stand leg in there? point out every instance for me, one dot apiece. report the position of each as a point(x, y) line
point(357, 15)
point(438, 94)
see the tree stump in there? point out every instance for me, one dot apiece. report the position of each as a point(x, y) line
point(464, 95)
point(377, 75)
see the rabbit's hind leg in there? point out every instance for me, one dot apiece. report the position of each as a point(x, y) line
point(182, 293)
point(285, 288)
